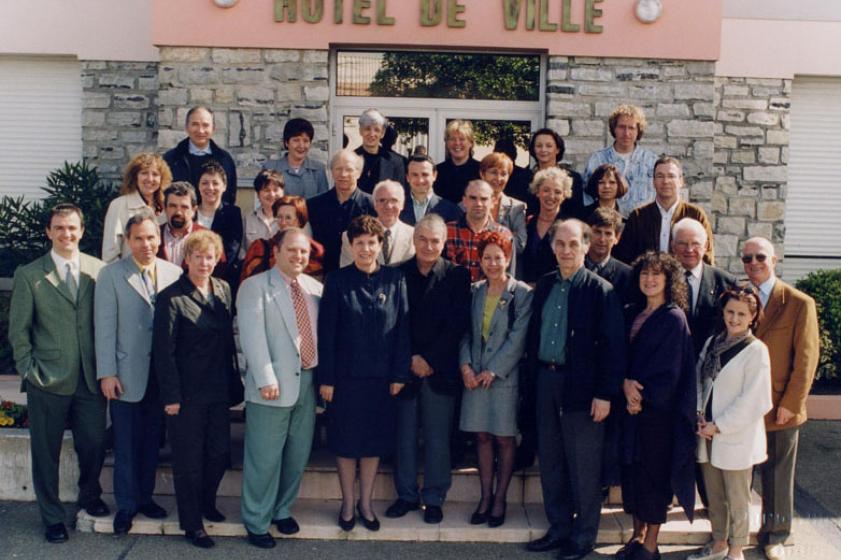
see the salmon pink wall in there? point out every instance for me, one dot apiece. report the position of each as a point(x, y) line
point(688, 29)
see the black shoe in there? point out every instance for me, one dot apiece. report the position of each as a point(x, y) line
point(549, 541)
point(401, 508)
point(572, 551)
point(286, 526)
point(432, 514)
point(481, 517)
point(261, 541)
point(199, 538)
point(152, 511)
point(56, 533)
point(497, 520)
point(640, 553)
point(122, 522)
point(370, 524)
point(96, 508)
point(213, 514)
point(627, 551)
point(346, 524)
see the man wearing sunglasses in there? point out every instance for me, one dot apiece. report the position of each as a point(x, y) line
point(789, 328)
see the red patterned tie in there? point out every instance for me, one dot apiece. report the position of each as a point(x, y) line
point(302, 317)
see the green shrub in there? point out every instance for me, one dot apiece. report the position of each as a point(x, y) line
point(6, 363)
point(22, 222)
point(825, 287)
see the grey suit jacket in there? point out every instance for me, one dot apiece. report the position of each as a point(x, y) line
point(403, 246)
point(268, 333)
point(124, 315)
point(502, 352)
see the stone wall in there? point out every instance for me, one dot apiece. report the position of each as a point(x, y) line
point(119, 112)
point(751, 157)
point(253, 92)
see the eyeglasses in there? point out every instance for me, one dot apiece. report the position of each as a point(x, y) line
point(760, 258)
point(662, 177)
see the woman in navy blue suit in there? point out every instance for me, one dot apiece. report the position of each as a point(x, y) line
point(364, 358)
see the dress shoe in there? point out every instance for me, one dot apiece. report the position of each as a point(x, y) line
point(775, 551)
point(261, 541)
point(549, 541)
point(214, 515)
point(286, 526)
point(152, 511)
point(572, 551)
point(432, 514)
point(56, 533)
point(122, 522)
point(497, 520)
point(346, 524)
point(401, 508)
point(642, 553)
point(199, 538)
point(481, 517)
point(96, 508)
point(370, 524)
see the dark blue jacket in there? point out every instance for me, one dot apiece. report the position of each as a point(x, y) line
point(363, 326)
point(329, 218)
point(179, 165)
point(595, 345)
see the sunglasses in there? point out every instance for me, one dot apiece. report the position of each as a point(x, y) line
point(760, 258)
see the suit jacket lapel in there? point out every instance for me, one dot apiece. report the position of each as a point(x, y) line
point(774, 307)
point(706, 289)
point(280, 297)
point(134, 280)
point(55, 279)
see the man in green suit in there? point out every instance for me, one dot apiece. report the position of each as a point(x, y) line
point(52, 337)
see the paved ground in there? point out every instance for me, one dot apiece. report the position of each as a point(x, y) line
point(817, 529)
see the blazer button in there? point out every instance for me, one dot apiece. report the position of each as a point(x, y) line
point(297, 373)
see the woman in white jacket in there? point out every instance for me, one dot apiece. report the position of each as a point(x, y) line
point(734, 394)
point(145, 178)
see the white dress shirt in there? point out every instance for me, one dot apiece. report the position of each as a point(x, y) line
point(312, 311)
point(61, 265)
point(666, 225)
point(765, 290)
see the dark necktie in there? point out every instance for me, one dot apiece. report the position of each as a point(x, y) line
point(387, 247)
point(689, 290)
point(70, 280)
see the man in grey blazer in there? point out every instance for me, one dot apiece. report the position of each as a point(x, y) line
point(124, 311)
point(277, 318)
point(398, 245)
point(51, 333)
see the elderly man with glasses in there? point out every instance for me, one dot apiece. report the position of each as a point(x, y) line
point(789, 328)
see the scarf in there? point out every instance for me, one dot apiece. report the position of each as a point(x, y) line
point(719, 345)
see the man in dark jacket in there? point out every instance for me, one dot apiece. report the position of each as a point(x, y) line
point(187, 158)
point(606, 225)
point(439, 299)
point(576, 359)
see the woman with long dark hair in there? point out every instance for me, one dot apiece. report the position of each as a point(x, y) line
point(657, 447)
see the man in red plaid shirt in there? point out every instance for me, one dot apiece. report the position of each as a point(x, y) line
point(463, 235)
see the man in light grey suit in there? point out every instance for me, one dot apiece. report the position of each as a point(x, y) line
point(398, 244)
point(124, 310)
point(278, 313)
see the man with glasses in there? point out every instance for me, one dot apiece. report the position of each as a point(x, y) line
point(649, 227)
point(789, 328)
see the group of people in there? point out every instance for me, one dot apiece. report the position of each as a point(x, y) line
point(579, 314)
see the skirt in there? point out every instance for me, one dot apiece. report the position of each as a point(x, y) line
point(361, 419)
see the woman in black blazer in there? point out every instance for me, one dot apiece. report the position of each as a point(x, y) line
point(363, 362)
point(221, 217)
point(194, 363)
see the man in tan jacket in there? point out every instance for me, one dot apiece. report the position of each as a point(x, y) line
point(790, 330)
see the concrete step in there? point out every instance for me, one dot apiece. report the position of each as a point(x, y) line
point(317, 519)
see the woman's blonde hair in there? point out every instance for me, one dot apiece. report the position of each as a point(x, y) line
point(203, 240)
point(138, 163)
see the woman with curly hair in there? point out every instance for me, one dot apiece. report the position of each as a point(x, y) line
point(657, 448)
point(145, 178)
